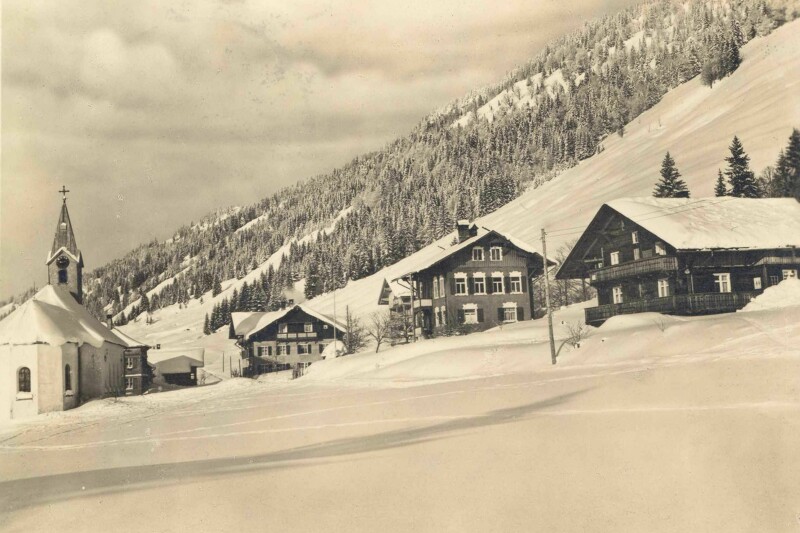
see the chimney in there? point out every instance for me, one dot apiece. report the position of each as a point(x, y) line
point(109, 321)
point(463, 230)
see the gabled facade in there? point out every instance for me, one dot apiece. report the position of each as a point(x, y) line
point(684, 257)
point(483, 281)
point(290, 338)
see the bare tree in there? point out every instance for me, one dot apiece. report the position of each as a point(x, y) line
point(379, 327)
point(354, 336)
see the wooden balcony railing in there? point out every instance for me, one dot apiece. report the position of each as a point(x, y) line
point(650, 265)
point(681, 304)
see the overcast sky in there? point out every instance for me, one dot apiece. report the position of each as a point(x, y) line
point(154, 113)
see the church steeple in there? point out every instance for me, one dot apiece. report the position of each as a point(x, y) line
point(65, 261)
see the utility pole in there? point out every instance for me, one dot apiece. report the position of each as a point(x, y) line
point(547, 300)
point(413, 313)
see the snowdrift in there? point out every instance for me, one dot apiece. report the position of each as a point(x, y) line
point(784, 294)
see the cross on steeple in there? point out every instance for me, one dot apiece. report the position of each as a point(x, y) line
point(64, 192)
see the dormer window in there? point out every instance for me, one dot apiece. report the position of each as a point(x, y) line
point(477, 253)
point(496, 253)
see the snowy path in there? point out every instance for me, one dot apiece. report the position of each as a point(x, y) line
point(700, 444)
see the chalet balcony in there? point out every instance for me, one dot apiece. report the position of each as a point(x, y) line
point(680, 304)
point(297, 336)
point(651, 265)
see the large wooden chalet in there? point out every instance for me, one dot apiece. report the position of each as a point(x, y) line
point(293, 337)
point(684, 256)
point(483, 280)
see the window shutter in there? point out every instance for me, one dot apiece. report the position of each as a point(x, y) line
point(489, 287)
point(524, 281)
point(452, 285)
point(480, 314)
point(520, 313)
point(470, 285)
point(460, 316)
point(506, 284)
point(500, 315)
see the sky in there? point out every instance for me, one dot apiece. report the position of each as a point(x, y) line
point(156, 113)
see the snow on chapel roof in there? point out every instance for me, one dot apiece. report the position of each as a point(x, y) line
point(52, 316)
point(714, 223)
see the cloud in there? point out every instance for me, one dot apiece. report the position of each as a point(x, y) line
point(127, 73)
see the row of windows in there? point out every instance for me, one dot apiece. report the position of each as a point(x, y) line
point(472, 314)
point(24, 379)
point(479, 285)
point(495, 253)
point(659, 249)
point(722, 283)
point(286, 349)
point(283, 327)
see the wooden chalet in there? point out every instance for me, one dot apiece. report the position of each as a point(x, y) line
point(684, 256)
point(483, 280)
point(293, 337)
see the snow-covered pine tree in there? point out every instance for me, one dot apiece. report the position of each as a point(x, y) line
point(719, 188)
point(206, 326)
point(258, 300)
point(670, 185)
point(787, 170)
point(741, 179)
point(217, 288)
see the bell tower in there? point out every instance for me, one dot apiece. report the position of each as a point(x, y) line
point(65, 261)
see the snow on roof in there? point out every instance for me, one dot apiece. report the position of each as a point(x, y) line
point(129, 341)
point(247, 324)
point(52, 316)
point(714, 223)
point(428, 260)
point(177, 357)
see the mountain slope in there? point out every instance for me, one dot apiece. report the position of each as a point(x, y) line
point(694, 122)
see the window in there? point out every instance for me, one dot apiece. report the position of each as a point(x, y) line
point(479, 284)
point(470, 316)
point(722, 282)
point(269, 350)
point(67, 378)
point(663, 288)
point(283, 327)
point(128, 383)
point(62, 276)
point(284, 349)
point(129, 363)
point(496, 253)
point(516, 284)
point(616, 294)
point(461, 285)
point(635, 237)
point(477, 253)
point(441, 285)
point(660, 249)
point(789, 273)
point(436, 288)
point(303, 349)
point(637, 254)
point(497, 285)
point(308, 327)
point(756, 283)
point(773, 280)
point(24, 379)
point(509, 314)
point(260, 351)
point(614, 258)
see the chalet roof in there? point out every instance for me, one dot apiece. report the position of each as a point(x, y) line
point(176, 360)
point(686, 224)
point(716, 223)
point(53, 316)
point(130, 342)
point(64, 237)
point(247, 324)
point(427, 261)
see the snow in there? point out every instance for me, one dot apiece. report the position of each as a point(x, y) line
point(709, 223)
point(52, 316)
point(255, 221)
point(784, 294)
point(693, 122)
point(248, 324)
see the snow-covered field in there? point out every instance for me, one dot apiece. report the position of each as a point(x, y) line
point(654, 424)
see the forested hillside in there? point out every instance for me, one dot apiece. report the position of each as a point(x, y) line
point(463, 161)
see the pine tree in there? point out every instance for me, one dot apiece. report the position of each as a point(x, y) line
point(206, 326)
point(787, 170)
point(671, 185)
point(719, 188)
point(741, 179)
point(217, 288)
point(258, 300)
point(144, 305)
